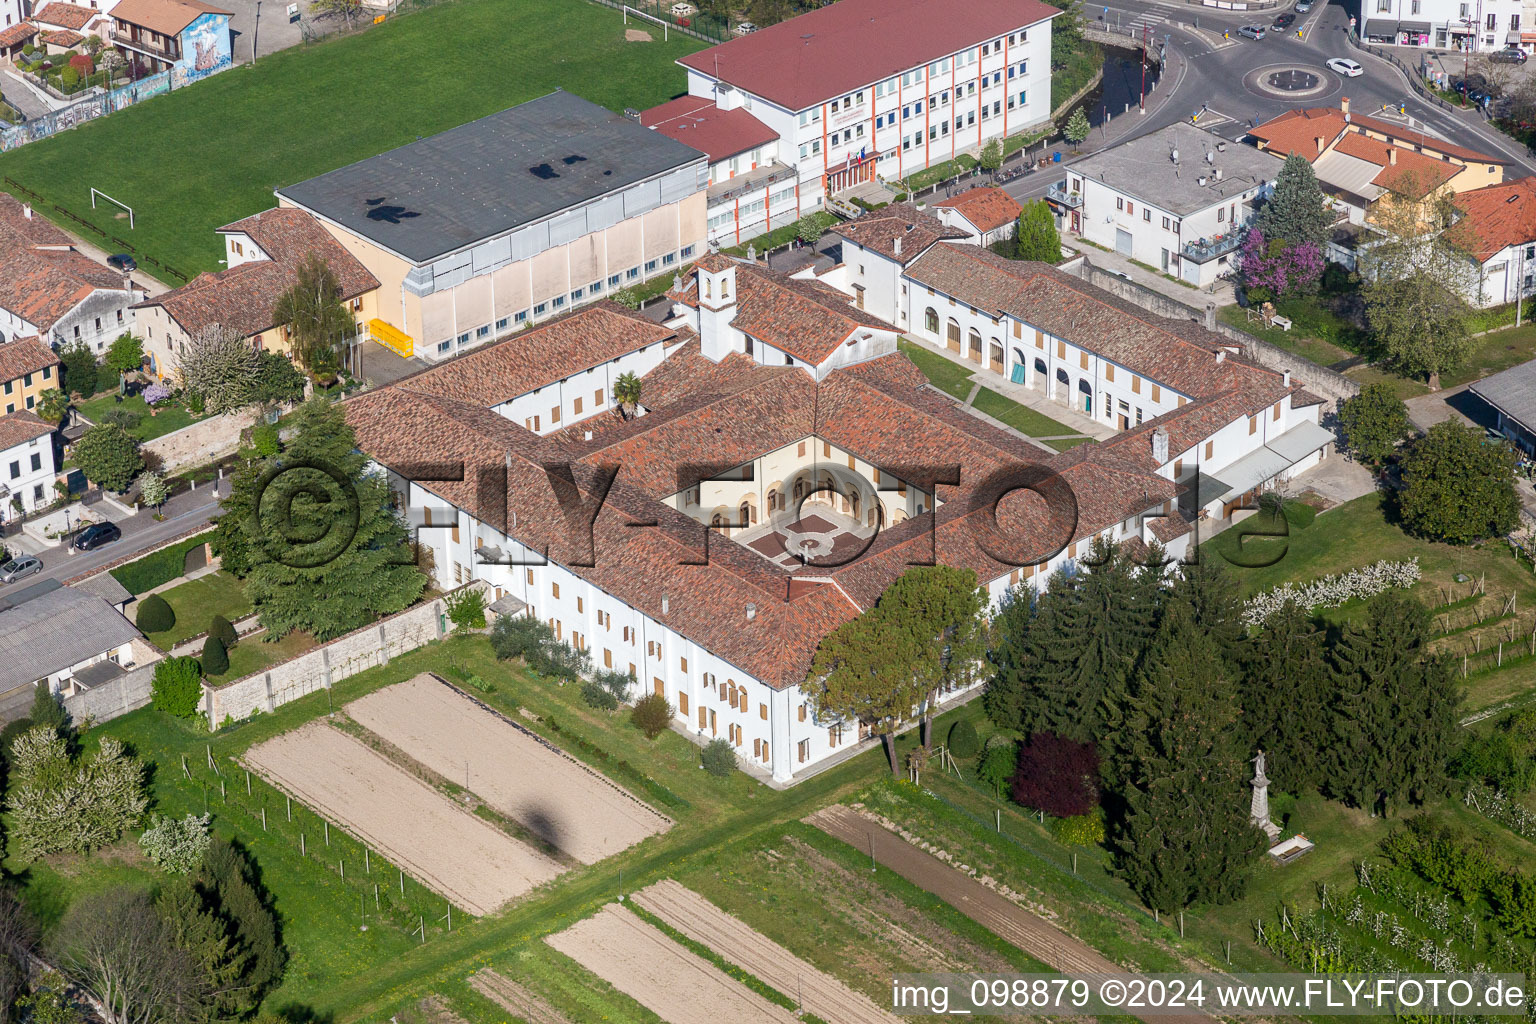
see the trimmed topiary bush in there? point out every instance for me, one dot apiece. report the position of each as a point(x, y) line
point(651, 715)
point(178, 687)
point(963, 741)
point(718, 758)
point(224, 630)
point(154, 615)
point(215, 658)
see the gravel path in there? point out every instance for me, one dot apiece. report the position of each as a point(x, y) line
point(1009, 921)
point(515, 999)
point(451, 851)
point(758, 955)
point(672, 982)
point(553, 795)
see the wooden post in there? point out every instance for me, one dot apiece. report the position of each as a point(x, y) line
point(341, 865)
point(375, 897)
point(327, 832)
point(247, 782)
point(367, 865)
point(223, 795)
point(263, 817)
point(402, 883)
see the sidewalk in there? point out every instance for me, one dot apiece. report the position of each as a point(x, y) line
point(26, 97)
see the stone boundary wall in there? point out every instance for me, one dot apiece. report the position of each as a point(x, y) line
point(1329, 384)
point(200, 442)
point(114, 698)
point(323, 667)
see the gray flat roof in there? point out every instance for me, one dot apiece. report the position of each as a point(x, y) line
point(48, 632)
point(440, 194)
point(1512, 392)
point(1144, 168)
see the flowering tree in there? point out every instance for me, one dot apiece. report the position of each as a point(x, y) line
point(1332, 591)
point(1270, 268)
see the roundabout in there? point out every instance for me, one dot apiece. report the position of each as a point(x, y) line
point(1289, 82)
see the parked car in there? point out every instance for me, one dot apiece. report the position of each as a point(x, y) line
point(1254, 32)
point(1304, 6)
point(1509, 56)
point(745, 28)
point(97, 534)
point(19, 568)
point(1285, 20)
point(122, 261)
point(1346, 67)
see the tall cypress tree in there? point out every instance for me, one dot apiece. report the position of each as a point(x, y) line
point(1295, 212)
point(1180, 827)
point(1213, 599)
point(1394, 717)
point(1285, 689)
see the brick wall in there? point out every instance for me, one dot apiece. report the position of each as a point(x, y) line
point(320, 669)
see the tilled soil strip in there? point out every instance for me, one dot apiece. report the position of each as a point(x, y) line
point(1009, 921)
point(451, 851)
point(515, 999)
point(548, 792)
point(760, 956)
point(678, 986)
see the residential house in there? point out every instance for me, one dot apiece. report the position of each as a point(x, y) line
point(27, 369)
point(189, 38)
point(510, 220)
point(751, 191)
point(50, 289)
point(1497, 228)
point(1511, 395)
point(15, 36)
point(985, 214)
point(68, 638)
point(877, 248)
point(70, 21)
point(862, 89)
point(263, 256)
point(12, 13)
point(27, 465)
point(1475, 25)
point(1177, 200)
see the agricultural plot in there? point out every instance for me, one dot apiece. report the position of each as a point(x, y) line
point(464, 858)
point(707, 924)
point(521, 1002)
point(554, 796)
point(672, 982)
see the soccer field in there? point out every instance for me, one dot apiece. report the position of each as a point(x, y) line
point(213, 152)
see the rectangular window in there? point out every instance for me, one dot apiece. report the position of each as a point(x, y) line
point(520, 317)
point(1135, 384)
point(650, 266)
point(1157, 393)
point(502, 324)
point(1253, 424)
point(576, 406)
point(631, 273)
point(1109, 372)
point(541, 309)
point(483, 332)
point(558, 302)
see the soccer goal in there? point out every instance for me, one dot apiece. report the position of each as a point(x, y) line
point(98, 192)
point(648, 17)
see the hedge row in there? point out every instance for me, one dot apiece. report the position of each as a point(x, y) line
point(158, 567)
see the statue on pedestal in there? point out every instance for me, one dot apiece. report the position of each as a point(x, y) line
point(1258, 811)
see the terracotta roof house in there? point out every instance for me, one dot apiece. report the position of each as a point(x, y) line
point(47, 288)
point(785, 464)
point(58, 14)
point(1497, 229)
point(13, 38)
point(986, 214)
point(187, 37)
point(264, 253)
point(61, 39)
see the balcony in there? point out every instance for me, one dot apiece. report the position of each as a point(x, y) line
point(1207, 249)
point(138, 44)
point(1059, 195)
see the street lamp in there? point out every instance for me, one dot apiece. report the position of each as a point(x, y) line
point(256, 33)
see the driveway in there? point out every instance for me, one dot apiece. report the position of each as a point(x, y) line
point(1451, 404)
point(24, 96)
point(274, 32)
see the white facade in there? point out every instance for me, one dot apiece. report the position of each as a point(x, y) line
point(1476, 25)
point(555, 406)
point(1502, 273)
point(27, 472)
point(12, 12)
point(912, 120)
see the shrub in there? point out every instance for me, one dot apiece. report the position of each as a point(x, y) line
point(598, 696)
point(176, 846)
point(997, 765)
point(963, 741)
point(155, 394)
point(117, 416)
point(215, 657)
point(466, 608)
point(513, 636)
point(83, 64)
point(154, 615)
point(224, 630)
point(1333, 591)
point(651, 715)
point(1057, 775)
point(69, 78)
point(11, 731)
point(483, 685)
point(178, 687)
point(195, 403)
point(718, 758)
point(616, 683)
point(1080, 829)
point(264, 438)
point(158, 567)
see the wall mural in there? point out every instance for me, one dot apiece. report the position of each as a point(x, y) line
point(205, 49)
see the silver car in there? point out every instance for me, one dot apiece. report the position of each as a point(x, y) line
point(19, 568)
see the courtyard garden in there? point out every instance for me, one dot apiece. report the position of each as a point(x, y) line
point(954, 379)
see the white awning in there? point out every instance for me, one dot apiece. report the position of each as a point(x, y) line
point(1265, 463)
point(1300, 441)
point(1253, 469)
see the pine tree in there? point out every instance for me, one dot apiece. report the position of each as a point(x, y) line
point(1296, 212)
point(1394, 717)
point(1036, 237)
point(1181, 831)
point(217, 960)
point(351, 573)
point(1284, 688)
point(47, 710)
point(1212, 595)
point(228, 882)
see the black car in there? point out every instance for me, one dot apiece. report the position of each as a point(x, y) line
point(1285, 20)
point(95, 535)
point(1509, 56)
point(122, 261)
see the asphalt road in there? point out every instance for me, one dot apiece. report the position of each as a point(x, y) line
point(1206, 71)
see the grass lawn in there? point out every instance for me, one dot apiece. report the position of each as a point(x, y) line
point(196, 602)
point(1402, 387)
point(945, 374)
point(1020, 417)
point(254, 654)
point(167, 418)
point(210, 154)
point(1492, 352)
point(1321, 352)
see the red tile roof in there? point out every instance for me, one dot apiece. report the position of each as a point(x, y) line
point(987, 208)
point(21, 427)
point(168, 17)
point(17, 34)
point(41, 285)
point(1297, 131)
point(66, 15)
point(18, 230)
point(1401, 169)
point(1497, 217)
point(718, 134)
point(880, 231)
point(65, 37)
point(21, 356)
point(242, 298)
point(853, 44)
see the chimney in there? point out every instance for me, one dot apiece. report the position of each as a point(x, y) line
point(665, 604)
point(1218, 173)
point(751, 610)
point(1221, 355)
point(1160, 446)
point(1344, 104)
point(896, 247)
point(1392, 156)
point(1286, 378)
point(26, 210)
point(1321, 144)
